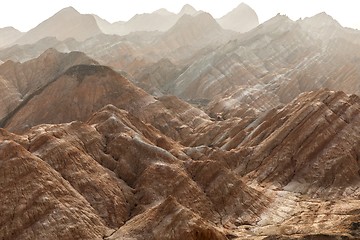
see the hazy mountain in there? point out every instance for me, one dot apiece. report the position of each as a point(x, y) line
point(271, 65)
point(241, 19)
point(159, 20)
point(67, 23)
point(9, 35)
point(187, 10)
point(104, 25)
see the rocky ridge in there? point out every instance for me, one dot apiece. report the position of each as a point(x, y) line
point(19, 82)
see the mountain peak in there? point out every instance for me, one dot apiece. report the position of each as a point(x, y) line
point(321, 19)
point(163, 12)
point(241, 19)
point(69, 10)
point(242, 6)
point(202, 18)
point(187, 9)
point(67, 23)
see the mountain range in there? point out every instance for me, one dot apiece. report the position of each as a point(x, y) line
point(69, 23)
point(180, 126)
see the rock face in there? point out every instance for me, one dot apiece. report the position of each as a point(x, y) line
point(241, 19)
point(67, 23)
point(8, 36)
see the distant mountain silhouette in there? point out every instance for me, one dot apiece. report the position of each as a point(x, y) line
point(8, 35)
point(241, 19)
point(159, 20)
point(188, 9)
point(67, 23)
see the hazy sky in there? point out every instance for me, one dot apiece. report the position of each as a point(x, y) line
point(26, 14)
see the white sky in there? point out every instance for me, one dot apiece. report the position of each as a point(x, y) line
point(26, 14)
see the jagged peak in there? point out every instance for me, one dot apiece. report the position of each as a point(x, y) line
point(278, 19)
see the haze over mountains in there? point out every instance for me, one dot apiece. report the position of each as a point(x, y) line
point(69, 23)
point(180, 126)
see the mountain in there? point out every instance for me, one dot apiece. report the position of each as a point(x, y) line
point(251, 135)
point(104, 25)
point(271, 65)
point(82, 88)
point(237, 178)
point(19, 82)
point(67, 23)
point(187, 9)
point(189, 35)
point(163, 11)
point(262, 68)
point(150, 22)
point(241, 19)
point(159, 20)
point(8, 36)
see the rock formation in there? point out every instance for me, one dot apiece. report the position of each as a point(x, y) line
point(291, 171)
point(260, 149)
